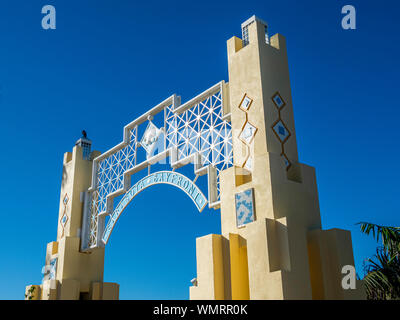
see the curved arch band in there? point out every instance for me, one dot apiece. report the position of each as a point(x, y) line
point(161, 177)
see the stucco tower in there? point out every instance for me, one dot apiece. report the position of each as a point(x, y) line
point(279, 251)
point(69, 273)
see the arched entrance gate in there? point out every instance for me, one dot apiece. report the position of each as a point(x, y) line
point(197, 132)
point(240, 136)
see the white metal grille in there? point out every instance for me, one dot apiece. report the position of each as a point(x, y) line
point(110, 171)
point(202, 129)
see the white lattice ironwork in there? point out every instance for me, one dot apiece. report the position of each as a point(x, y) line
point(198, 127)
point(202, 129)
point(110, 171)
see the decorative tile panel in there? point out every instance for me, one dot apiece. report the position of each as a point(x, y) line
point(50, 270)
point(244, 204)
point(65, 201)
point(53, 268)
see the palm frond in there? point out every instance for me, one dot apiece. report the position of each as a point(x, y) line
point(390, 236)
point(382, 280)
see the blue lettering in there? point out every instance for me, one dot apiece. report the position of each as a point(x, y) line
point(185, 184)
point(158, 177)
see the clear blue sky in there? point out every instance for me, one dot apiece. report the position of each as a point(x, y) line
point(109, 61)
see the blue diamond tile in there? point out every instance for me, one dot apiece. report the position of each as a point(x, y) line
point(286, 161)
point(279, 103)
point(281, 131)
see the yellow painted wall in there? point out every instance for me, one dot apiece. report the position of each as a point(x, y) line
point(210, 269)
point(239, 268)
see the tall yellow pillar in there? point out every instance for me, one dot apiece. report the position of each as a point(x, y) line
point(74, 274)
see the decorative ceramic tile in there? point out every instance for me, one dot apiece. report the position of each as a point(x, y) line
point(278, 101)
point(246, 103)
point(286, 161)
point(50, 271)
point(63, 221)
point(53, 268)
point(244, 202)
point(248, 133)
point(64, 218)
point(281, 131)
point(249, 164)
point(65, 201)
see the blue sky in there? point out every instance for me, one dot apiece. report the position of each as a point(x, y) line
point(109, 61)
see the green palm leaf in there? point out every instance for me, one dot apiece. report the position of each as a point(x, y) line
point(390, 236)
point(382, 279)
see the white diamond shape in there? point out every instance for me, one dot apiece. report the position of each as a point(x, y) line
point(245, 105)
point(248, 133)
point(150, 137)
